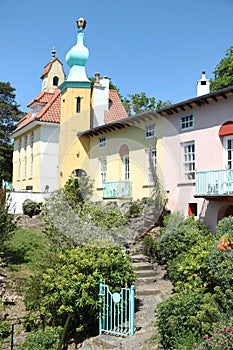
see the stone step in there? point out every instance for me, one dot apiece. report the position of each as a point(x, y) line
point(139, 258)
point(148, 289)
point(145, 280)
point(145, 273)
point(143, 266)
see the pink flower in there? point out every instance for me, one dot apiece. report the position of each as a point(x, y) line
point(205, 337)
point(228, 329)
point(194, 346)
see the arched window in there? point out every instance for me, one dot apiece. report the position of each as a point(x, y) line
point(55, 81)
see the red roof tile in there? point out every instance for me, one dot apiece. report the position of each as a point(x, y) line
point(116, 109)
point(50, 112)
point(48, 66)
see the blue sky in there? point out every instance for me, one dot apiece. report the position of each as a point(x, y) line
point(152, 46)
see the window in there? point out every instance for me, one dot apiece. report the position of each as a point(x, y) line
point(186, 122)
point(150, 164)
point(102, 142)
point(189, 160)
point(78, 105)
point(19, 157)
point(125, 167)
point(25, 155)
point(31, 160)
point(229, 152)
point(55, 81)
point(149, 131)
point(103, 170)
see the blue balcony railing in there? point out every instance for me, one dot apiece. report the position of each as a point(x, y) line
point(214, 183)
point(117, 189)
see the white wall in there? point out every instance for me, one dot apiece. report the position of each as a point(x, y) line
point(16, 199)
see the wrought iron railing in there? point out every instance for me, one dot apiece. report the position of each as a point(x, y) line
point(214, 182)
point(117, 189)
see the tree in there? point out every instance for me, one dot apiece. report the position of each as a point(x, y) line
point(9, 115)
point(223, 73)
point(140, 102)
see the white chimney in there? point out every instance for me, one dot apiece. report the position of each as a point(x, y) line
point(203, 85)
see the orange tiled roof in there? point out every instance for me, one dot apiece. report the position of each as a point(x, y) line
point(116, 110)
point(50, 112)
point(48, 66)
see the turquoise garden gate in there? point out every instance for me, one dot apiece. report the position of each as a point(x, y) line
point(116, 313)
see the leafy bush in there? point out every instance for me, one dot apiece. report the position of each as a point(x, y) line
point(41, 340)
point(105, 216)
point(31, 208)
point(78, 190)
point(220, 338)
point(192, 267)
point(7, 223)
point(179, 235)
point(71, 286)
point(149, 246)
point(184, 313)
point(220, 268)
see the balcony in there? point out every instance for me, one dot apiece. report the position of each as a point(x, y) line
point(117, 189)
point(214, 184)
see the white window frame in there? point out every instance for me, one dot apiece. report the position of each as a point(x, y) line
point(103, 170)
point(228, 162)
point(150, 131)
point(31, 149)
point(102, 142)
point(25, 155)
point(150, 156)
point(189, 160)
point(187, 122)
point(125, 167)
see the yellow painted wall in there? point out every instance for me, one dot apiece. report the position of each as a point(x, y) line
point(22, 178)
point(134, 138)
point(73, 153)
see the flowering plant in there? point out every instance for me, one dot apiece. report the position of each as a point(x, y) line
point(220, 338)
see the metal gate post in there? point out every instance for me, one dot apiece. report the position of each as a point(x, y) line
point(131, 325)
point(101, 286)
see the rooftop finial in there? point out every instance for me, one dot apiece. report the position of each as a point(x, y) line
point(81, 24)
point(53, 52)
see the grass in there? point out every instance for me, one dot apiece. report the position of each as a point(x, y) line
point(26, 249)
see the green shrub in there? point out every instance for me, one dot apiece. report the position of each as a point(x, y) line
point(7, 223)
point(179, 235)
point(220, 338)
point(192, 267)
point(185, 313)
point(225, 226)
point(149, 246)
point(31, 208)
point(71, 286)
point(105, 216)
point(220, 268)
point(41, 340)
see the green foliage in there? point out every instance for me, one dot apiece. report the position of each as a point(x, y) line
point(223, 73)
point(221, 337)
point(70, 287)
point(149, 246)
point(135, 208)
point(78, 190)
point(140, 102)
point(41, 340)
point(185, 313)
point(225, 227)
point(192, 267)
point(105, 216)
point(178, 236)
point(9, 115)
point(7, 224)
point(220, 268)
point(31, 207)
